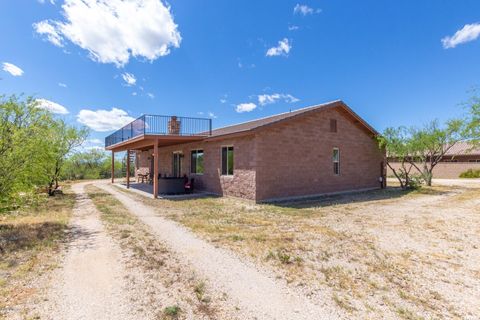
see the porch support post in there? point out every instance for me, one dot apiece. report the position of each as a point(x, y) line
point(155, 169)
point(113, 166)
point(128, 169)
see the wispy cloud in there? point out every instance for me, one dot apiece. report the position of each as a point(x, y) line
point(151, 95)
point(51, 106)
point(61, 84)
point(115, 31)
point(264, 99)
point(282, 49)
point(104, 120)
point(12, 69)
point(212, 115)
point(129, 79)
point(469, 32)
point(245, 107)
point(293, 28)
point(305, 10)
point(50, 30)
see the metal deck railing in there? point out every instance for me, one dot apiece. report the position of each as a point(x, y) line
point(161, 125)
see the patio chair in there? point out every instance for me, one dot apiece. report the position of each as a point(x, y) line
point(189, 186)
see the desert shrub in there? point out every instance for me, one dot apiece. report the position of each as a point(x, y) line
point(470, 173)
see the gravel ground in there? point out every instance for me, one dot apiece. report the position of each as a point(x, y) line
point(90, 283)
point(258, 294)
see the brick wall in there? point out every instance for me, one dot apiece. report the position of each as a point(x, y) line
point(241, 184)
point(286, 160)
point(444, 170)
point(295, 158)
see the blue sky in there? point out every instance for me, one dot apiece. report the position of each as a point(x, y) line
point(240, 60)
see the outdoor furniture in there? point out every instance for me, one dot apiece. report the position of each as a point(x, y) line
point(171, 185)
point(189, 185)
point(142, 174)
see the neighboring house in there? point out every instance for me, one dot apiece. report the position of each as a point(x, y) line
point(322, 149)
point(459, 158)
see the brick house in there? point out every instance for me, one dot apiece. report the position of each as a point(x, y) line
point(316, 150)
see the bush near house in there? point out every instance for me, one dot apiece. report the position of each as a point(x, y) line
point(470, 173)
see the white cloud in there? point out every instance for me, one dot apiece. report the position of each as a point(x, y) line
point(134, 93)
point(264, 99)
point(468, 33)
point(223, 100)
point(51, 106)
point(282, 49)
point(303, 9)
point(245, 107)
point(43, 1)
point(129, 79)
point(94, 141)
point(293, 28)
point(61, 84)
point(212, 115)
point(104, 120)
point(50, 30)
point(12, 69)
point(113, 31)
point(150, 95)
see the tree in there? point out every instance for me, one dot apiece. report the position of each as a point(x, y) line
point(430, 144)
point(22, 151)
point(63, 139)
point(397, 143)
point(423, 148)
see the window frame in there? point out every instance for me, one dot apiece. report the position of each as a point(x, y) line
point(196, 151)
point(221, 161)
point(336, 162)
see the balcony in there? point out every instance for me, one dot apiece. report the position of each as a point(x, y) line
point(155, 125)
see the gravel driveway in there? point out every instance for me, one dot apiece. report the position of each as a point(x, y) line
point(90, 283)
point(257, 293)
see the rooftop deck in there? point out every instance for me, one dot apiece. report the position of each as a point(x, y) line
point(167, 127)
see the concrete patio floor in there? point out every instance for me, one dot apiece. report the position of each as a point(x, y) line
point(146, 189)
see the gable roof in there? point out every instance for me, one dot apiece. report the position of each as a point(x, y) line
point(258, 123)
point(463, 148)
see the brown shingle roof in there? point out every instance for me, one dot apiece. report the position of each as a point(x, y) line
point(254, 124)
point(463, 148)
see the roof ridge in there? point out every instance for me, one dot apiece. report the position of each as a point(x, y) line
point(279, 114)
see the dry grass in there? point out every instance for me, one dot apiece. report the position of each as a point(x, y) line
point(387, 253)
point(171, 290)
point(30, 239)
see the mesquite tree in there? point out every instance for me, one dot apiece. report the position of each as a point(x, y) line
point(431, 143)
point(422, 148)
point(396, 141)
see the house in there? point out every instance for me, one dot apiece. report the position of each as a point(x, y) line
point(316, 150)
point(459, 158)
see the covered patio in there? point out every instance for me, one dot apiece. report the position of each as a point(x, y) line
point(146, 190)
point(150, 132)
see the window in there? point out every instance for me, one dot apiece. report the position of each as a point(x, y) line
point(227, 161)
point(177, 164)
point(336, 161)
point(333, 125)
point(196, 162)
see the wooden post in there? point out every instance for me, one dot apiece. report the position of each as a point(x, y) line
point(128, 169)
point(113, 166)
point(155, 170)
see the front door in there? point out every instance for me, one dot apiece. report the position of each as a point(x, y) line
point(177, 164)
